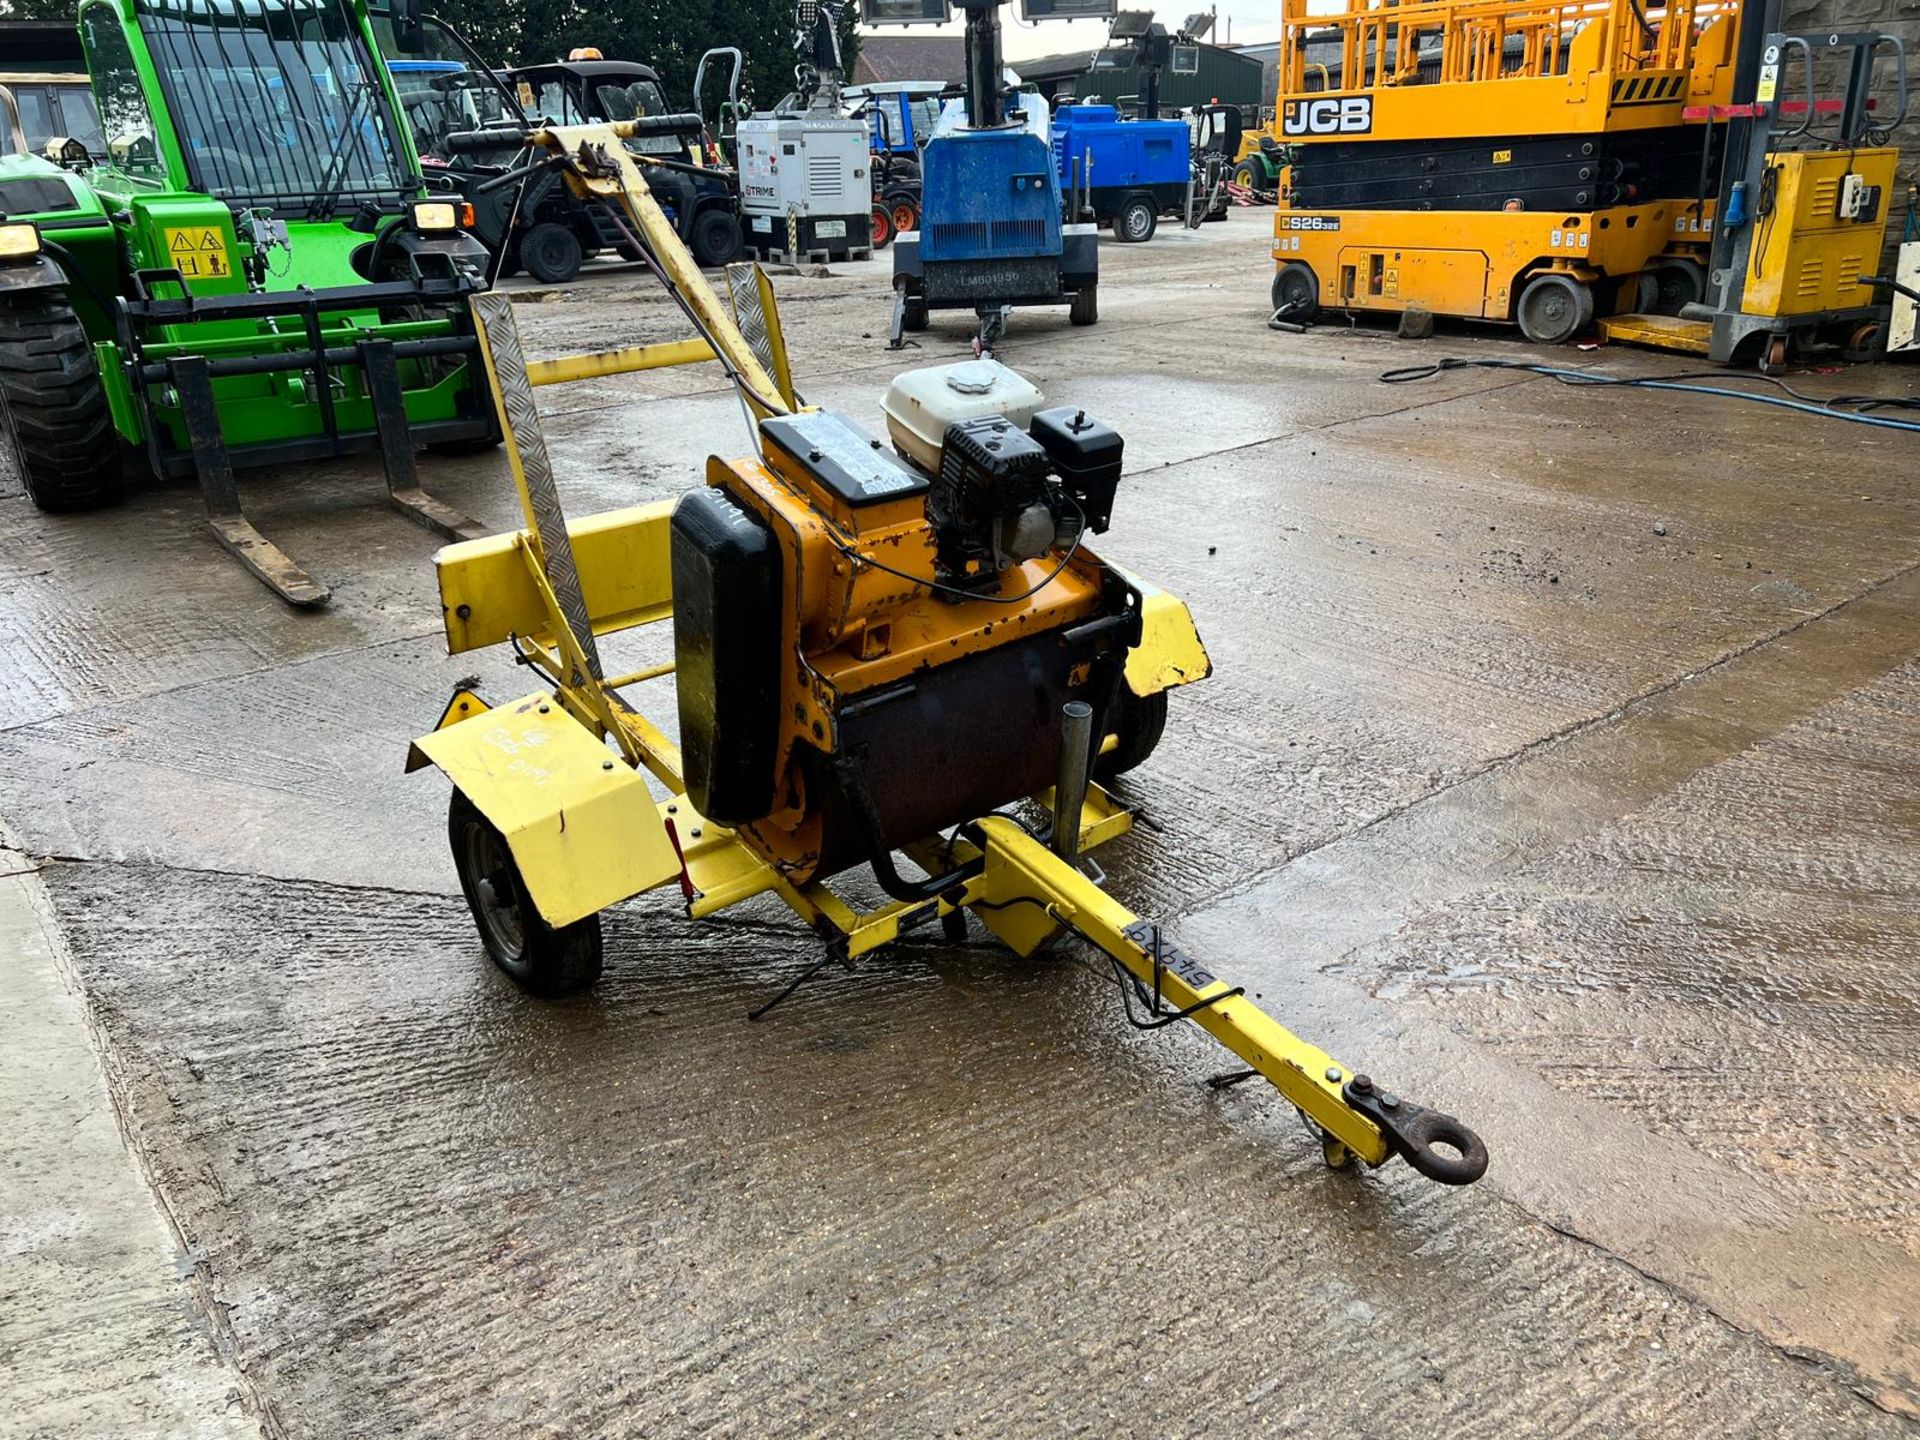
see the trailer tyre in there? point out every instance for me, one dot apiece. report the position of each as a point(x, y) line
point(551, 253)
point(715, 239)
point(1296, 290)
point(541, 959)
point(1554, 308)
point(1139, 723)
point(53, 406)
point(1136, 221)
point(1086, 305)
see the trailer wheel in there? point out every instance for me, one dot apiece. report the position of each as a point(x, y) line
point(53, 406)
point(551, 253)
point(1296, 290)
point(542, 960)
point(715, 239)
point(1136, 221)
point(1554, 308)
point(1086, 305)
point(1139, 722)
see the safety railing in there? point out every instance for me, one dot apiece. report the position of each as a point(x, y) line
point(1380, 44)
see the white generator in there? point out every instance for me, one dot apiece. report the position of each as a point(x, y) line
point(805, 191)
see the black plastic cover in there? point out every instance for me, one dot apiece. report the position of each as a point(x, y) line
point(1086, 455)
point(846, 460)
point(989, 473)
point(726, 647)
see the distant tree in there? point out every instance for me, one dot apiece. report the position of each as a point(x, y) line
point(670, 35)
point(40, 10)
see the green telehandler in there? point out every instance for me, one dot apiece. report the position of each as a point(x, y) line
point(257, 272)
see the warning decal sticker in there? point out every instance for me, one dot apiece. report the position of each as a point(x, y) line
point(199, 252)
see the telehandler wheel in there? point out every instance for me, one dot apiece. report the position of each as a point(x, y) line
point(715, 238)
point(53, 406)
point(1085, 309)
point(1137, 221)
point(1296, 289)
point(551, 253)
point(542, 960)
point(1554, 308)
point(1139, 722)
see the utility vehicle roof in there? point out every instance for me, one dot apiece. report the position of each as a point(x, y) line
point(589, 70)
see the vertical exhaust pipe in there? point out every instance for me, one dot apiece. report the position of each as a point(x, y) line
point(1070, 789)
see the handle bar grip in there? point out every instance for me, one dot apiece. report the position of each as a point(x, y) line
point(678, 124)
point(462, 142)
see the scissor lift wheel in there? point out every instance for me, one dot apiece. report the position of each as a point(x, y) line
point(1296, 290)
point(1554, 308)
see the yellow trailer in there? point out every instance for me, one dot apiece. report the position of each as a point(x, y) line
point(913, 666)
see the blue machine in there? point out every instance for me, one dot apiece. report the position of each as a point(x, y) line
point(1124, 173)
point(991, 235)
point(900, 114)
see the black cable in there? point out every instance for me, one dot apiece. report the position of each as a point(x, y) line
point(964, 594)
point(748, 395)
point(1801, 402)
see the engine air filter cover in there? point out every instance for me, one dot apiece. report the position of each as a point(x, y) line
point(921, 404)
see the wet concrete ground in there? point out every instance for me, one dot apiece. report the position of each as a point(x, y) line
point(1559, 768)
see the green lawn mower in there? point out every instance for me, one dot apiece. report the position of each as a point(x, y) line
point(256, 273)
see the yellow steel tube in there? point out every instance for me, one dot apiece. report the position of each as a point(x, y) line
point(1020, 867)
point(625, 360)
point(634, 677)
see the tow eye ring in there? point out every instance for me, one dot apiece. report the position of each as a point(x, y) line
point(1413, 1132)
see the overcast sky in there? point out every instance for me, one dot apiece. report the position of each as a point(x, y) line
point(1242, 22)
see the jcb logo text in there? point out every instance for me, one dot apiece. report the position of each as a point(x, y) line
point(1352, 116)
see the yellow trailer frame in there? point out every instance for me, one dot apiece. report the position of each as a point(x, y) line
point(587, 831)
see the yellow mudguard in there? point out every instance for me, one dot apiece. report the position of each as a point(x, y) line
point(1169, 652)
point(581, 823)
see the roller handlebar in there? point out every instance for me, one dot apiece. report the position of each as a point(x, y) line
point(463, 142)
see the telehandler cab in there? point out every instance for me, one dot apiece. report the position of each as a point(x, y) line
point(256, 273)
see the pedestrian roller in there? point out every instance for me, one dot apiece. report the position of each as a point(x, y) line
point(898, 656)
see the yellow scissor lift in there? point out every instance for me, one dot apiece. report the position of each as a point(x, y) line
point(554, 819)
point(1519, 161)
